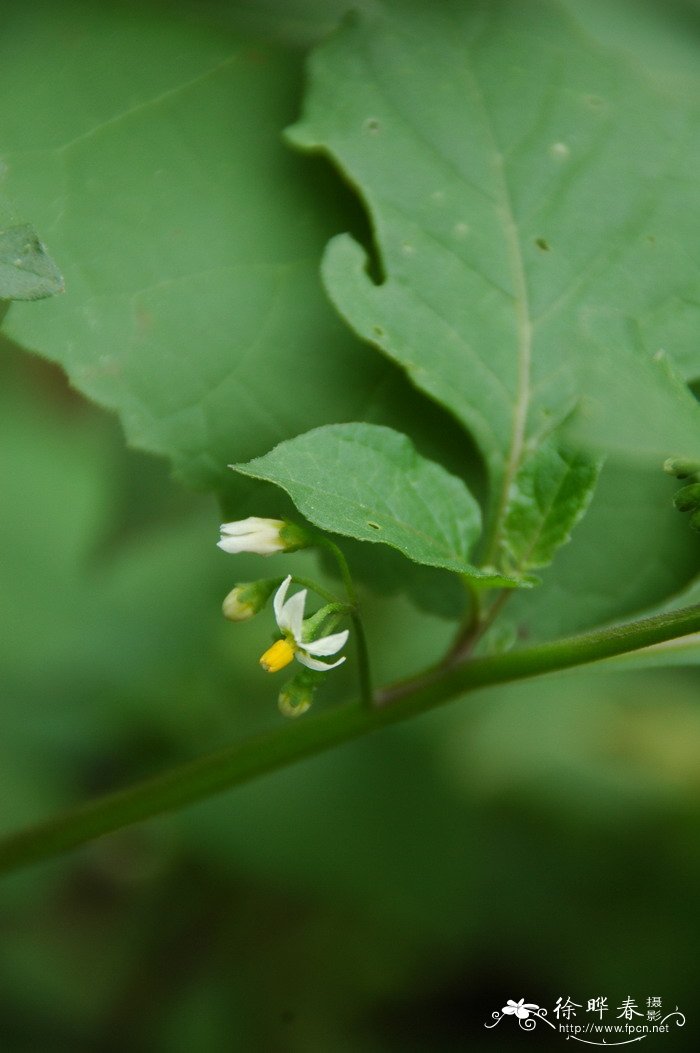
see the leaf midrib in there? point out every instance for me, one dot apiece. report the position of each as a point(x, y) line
point(524, 326)
point(523, 323)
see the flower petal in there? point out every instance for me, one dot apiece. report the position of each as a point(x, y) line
point(313, 663)
point(232, 545)
point(292, 615)
point(522, 1013)
point(327, 644)
point(237, 527)
point(262, 536)
point(280, 595)
point(251, 525)
point(509, 1010)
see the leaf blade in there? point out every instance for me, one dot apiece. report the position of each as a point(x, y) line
point(552, 493)
point(368, 482)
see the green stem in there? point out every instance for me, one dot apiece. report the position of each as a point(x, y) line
point(474, 627)
point(306, 583)
point(468, 633)
point(366, 690)
point(276, 749)
point(340, 559)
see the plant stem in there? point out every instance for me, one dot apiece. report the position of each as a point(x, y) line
point(306, 583)
point(366, 690)
point(478, 623)
point(265, 753)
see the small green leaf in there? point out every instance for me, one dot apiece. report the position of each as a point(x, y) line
point(627, 556)
point(368, 482)
point(551, 492)
point(27, 272)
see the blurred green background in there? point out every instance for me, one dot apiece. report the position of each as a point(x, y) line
point(537, 841)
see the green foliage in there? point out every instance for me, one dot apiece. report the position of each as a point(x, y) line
point(189, 236)
point(496, 300)
point(627, 555)
point(369, 483)
point(510, 223)
point(528, 235)
point(550, 494)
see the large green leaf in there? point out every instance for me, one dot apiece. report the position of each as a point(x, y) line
point(146, 149)
point(369, 483)
point(533, 221)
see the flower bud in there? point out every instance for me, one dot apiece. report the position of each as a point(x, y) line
point(296, 696)
point(247, 599)
point(262, 536)
point(688, 498)
point(681, 467)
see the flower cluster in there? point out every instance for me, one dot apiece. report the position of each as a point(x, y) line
point(301, 637)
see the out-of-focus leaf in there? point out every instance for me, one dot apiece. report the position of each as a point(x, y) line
point(147, 151)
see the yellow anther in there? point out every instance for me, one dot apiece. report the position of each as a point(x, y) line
point(278, 656)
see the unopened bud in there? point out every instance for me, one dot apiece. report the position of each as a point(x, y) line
point(681, 467)
point(247, 599)
point(688, 498)
point(296, 696)
point(264, 537)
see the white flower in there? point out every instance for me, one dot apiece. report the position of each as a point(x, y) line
point(290, 619)
point(254, 534)
point(521, 1009)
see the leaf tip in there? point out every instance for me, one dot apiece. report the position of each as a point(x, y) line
point(300, 137)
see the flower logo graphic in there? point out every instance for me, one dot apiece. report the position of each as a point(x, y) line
point(526, 1013)
point(521, 1009)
